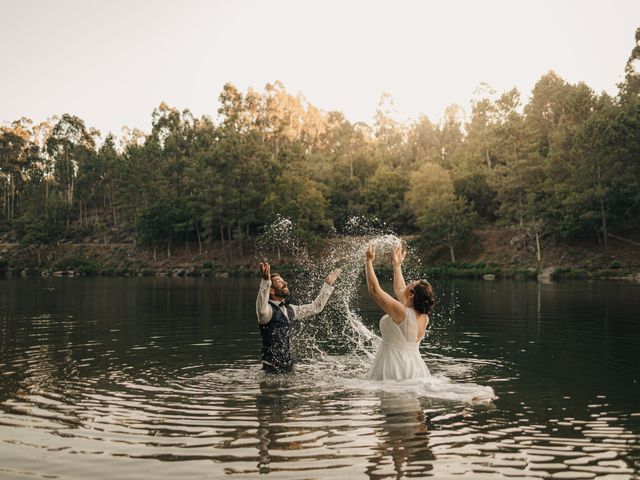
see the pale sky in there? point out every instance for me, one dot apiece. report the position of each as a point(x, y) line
point(111, 62)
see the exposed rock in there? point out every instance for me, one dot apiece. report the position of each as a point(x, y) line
point(546, 275)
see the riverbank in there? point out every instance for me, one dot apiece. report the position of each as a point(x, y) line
point(491, 254)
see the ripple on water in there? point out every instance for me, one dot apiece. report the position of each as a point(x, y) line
point(315, 421)
point(90, 404)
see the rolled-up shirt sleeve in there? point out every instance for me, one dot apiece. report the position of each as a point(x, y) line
point(263, 310)
point(302, 311)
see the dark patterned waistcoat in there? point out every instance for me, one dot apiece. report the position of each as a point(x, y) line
point(276, 341)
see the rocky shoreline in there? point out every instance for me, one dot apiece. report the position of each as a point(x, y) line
point(488, 259)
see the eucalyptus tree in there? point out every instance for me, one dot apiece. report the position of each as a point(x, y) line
point(451, 136)
point(95, 184)
point(13, 163)
point(423, 142)
point(70, 145)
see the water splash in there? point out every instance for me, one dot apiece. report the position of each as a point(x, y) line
point(340, 327)
point(280, 239)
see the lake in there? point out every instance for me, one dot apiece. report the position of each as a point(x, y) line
point(160, 378)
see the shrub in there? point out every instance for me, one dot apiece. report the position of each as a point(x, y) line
point(76, 263)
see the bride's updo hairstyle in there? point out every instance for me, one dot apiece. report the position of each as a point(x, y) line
point(423, 300)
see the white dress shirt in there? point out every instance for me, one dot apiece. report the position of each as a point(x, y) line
point(264, 311)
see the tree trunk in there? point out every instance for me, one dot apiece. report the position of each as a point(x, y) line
point(199, 239)
point(602, 212)
point(13, 198)
point(169, 248)
point(605, 234)
point(539, 255)
point(4, 202)
point(70, 193)
point(453, 256)
point(520, 214)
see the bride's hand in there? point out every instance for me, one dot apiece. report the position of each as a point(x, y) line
point(399, 254)
point(371, 252)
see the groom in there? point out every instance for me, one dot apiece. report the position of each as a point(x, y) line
point(276, 317)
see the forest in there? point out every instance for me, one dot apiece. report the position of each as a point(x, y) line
point(565, 164)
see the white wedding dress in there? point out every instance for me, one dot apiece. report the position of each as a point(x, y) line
point(398, 356)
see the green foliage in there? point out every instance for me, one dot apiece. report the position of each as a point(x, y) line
point(161, 223)
point(442, 217)
point(302, 201)
point(384, 194)
point(564, 164)
point(476, 191)
point(77, 263)
point(571, 273)
point(47, 228)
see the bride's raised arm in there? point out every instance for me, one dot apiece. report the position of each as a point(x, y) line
point(390, 305)
point(399, 285)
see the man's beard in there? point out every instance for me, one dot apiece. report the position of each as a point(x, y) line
point(280, 293)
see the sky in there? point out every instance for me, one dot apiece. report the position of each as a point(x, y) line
point(112, 62)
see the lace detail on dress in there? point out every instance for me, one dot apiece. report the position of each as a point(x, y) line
point(409, 326)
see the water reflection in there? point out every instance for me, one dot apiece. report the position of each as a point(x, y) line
point(270, 410)
point(103, 377)
point(403, 447)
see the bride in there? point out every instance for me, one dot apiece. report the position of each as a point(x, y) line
point(404, 325)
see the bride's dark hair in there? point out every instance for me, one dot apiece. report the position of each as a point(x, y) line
point(423, 300)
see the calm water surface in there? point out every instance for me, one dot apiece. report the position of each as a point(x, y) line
point(160, 378)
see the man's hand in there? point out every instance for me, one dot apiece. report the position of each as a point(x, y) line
point(331, 278)
point(371, 252)
point(265, 270)
point(399, 254)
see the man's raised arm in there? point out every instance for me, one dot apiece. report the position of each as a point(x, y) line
point(263, 310)
point(303, 311)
